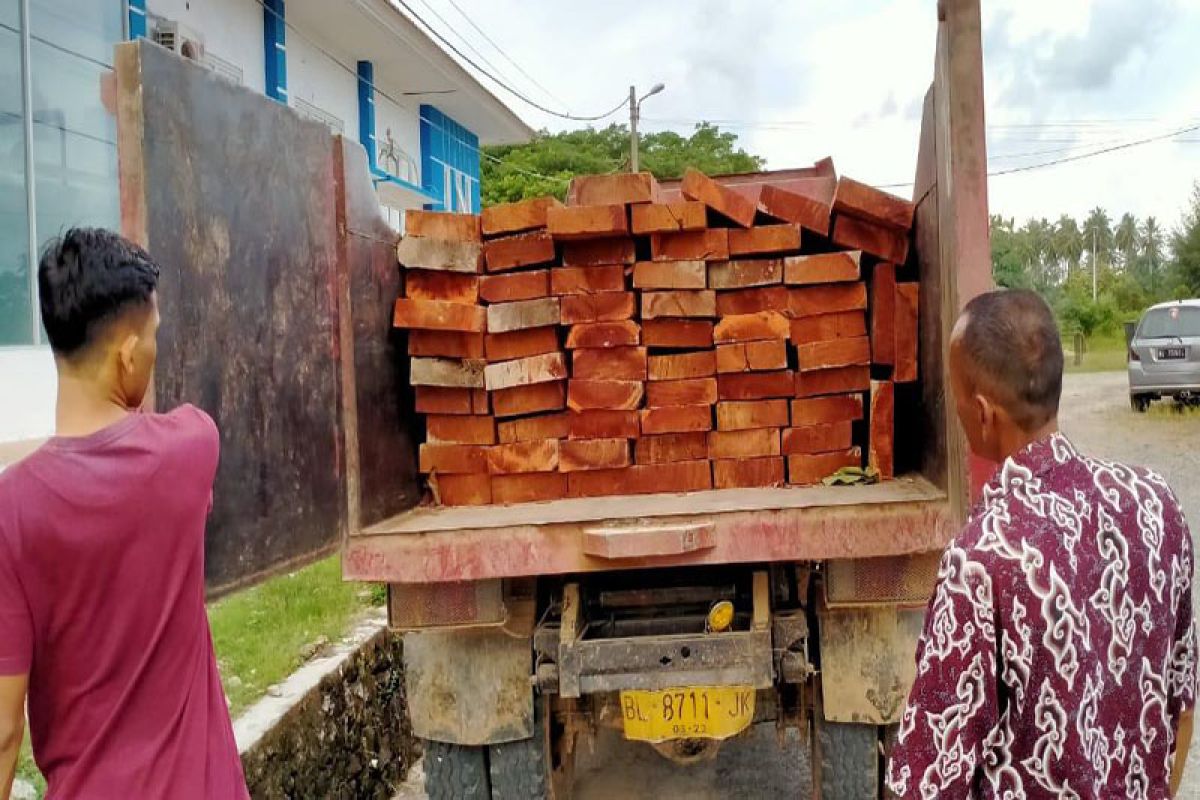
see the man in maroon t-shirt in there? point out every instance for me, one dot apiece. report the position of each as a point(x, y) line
point(102, 618)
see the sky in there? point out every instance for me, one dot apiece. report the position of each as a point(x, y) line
point(802, 79)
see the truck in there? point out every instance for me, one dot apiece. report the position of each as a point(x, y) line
point(678, 619)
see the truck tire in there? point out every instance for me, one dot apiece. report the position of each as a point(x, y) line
point(519, 769)
point(845, 761)
point(456, 772)
point(1139, 403)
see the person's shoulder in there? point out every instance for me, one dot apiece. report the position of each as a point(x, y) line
point(188, 424)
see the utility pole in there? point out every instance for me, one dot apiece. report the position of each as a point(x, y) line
point(1093, 264)
point(633, 133)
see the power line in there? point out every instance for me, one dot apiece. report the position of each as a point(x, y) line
point(464, 39)
point(471, 21)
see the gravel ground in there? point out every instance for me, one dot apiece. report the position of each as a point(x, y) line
point(1097, 417)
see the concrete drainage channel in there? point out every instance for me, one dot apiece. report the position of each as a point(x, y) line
point(338, 727)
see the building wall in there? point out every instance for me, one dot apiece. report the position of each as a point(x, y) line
point(231, 29)
point(27, 402)
point(314, 78)
point(406, 133)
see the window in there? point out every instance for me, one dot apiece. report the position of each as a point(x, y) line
point(73, 145)
point(1169, 323)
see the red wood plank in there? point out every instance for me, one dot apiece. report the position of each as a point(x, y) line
point(824, 438)
point(880, 454)
point(683, 215)
point(764, 240)
point(521, 250)
point(726, 202)
point(752, 301)
point(824, 410)
point(587, 280)
point(805, 470)
point(585, 395)
point(676, 304)
point(823, 327)
point(434, 315)
point(684, 476)
point(520, 344)
point(598, 252)
point(619, 187)
point(709, 244)
point(691, 392)
point(584, 454)
point(525, 429)
point(670, 275)
point(516, 217)
point(840, 380)
point(812, 210)
point(907, 333)
point(746, 473)
point(685, 333)
point(533, 456)
point(883, 314)
point(834, 353)
point(676, 419)
point(609, 363)
point(452, 458)
point(462, 490)
point(668, 447)
point(448, 287)
point(840, 267)
point(867, 202)
point(856, 234)
point(512, 286)
point(522, 400)
point(450, 400)
point(755, 385)
point(751, 327)
point(769, 354)
point(681, 366)
point(603, 425)
point(442, 225)
point(740, 415)
point(811, 301)
point(529, 487)
point(458, 429)
point(445, 344)
point(604, 334)
point(579, 309)
point(587, 222)
point(754, 443)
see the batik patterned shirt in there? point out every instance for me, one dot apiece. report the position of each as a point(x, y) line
point(1059, 649)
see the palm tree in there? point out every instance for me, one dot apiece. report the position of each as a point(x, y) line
point(1067, 243)
point(1151, 246)
point(1125, 238)
point(1097, 238)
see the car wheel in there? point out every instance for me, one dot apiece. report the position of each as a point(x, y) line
point(1139, 403)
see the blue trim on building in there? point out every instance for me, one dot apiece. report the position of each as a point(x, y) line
point(137, 19)
point(378, 176)
point(275, 49)
point(366, 111)
point(449, 162)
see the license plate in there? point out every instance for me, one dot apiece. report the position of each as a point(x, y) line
point(695, 712)
point(1170, 352)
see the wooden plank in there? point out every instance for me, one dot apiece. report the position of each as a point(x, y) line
point(460, 373)
point(525, 371)
point(834, 353)
point(753, 443)
point(523, 314)
point(681, 366)
point(669, 447)
point(520, 250)
point(883, 314)
point(676, 304)
point(811, 301)
point(841, 380)
point(691, 392)
point(447, 287)
point(683, 333)
point(521, 400)
point(609, 363)
point(867, 202)
point(840, 267)
point(683, 215)
point(583, 454)
point(907, 320)
point(811, 212)
point(751, 327)
point(516, 217)
point(525, 429)
point(709, 244)
point(446, 344)
point(670, 274)
point(586, 395)
point(569, 223)
point(742, 473)
point(741, 415)
point(587, 280)
point(619, 187)
point(604, 334)
point(755, 385)
point(453, 458)
point(764, 240)
point(529, 487)
point(823, 327)
point(442, 225)
point(856, 234)
point(470, 489)
point(533, 456)
point(725, 201)
point(824, 410)
point(768, 354)
point(449, 400)
point(434, 315)
point(744, 273)
point(880, 453)
point(458, 429)
point(597, 252)
point(418, 252)
point(807, 470)
point(520, 344)
point(676, 419)
point(577, 309)
point(752, 301)
point(602, 425)
point(511, 286)
point(684, 476)
point(822, 438)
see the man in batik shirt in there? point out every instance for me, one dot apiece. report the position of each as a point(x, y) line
point(1059, 656)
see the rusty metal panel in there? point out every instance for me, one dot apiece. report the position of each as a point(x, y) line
point(868, 662)
point(469, 687)
point(457, 604)
point(906, 580)
point(234, 195)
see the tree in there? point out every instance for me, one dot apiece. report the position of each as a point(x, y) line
point(1150, 253)
point(1067, 243)
point(1098, 237)
point(1185, 247)
point(1125, 239)
point(545, 165)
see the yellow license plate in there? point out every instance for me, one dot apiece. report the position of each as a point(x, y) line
point(699, 712)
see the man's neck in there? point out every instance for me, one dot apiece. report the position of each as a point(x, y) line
point(85, 406)
point(1019, 439)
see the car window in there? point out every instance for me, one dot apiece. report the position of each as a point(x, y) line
point(1167, 322)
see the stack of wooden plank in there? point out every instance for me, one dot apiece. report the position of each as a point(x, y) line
point(621, 344)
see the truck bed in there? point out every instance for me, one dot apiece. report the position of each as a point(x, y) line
point(435, 544)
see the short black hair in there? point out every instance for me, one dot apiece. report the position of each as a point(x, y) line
point(87, 278)
point(1014, 350)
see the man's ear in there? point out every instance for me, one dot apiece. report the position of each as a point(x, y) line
point(125, 353)
point(986, 411)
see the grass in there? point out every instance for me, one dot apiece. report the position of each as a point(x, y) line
point(261, 635)
point(1104, 353)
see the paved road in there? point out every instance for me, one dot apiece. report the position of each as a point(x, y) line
point(1097, 417)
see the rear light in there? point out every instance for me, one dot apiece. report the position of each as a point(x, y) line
point(1133, 355)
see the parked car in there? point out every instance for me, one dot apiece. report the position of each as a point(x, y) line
point(1164, 356)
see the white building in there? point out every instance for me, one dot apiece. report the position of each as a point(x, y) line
point(360, 66)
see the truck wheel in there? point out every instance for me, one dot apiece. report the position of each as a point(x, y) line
point(456, 772)
point(845, 761)
point(1139, 403)
point(519, 769)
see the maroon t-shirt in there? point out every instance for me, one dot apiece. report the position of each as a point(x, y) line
point(102, 604)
